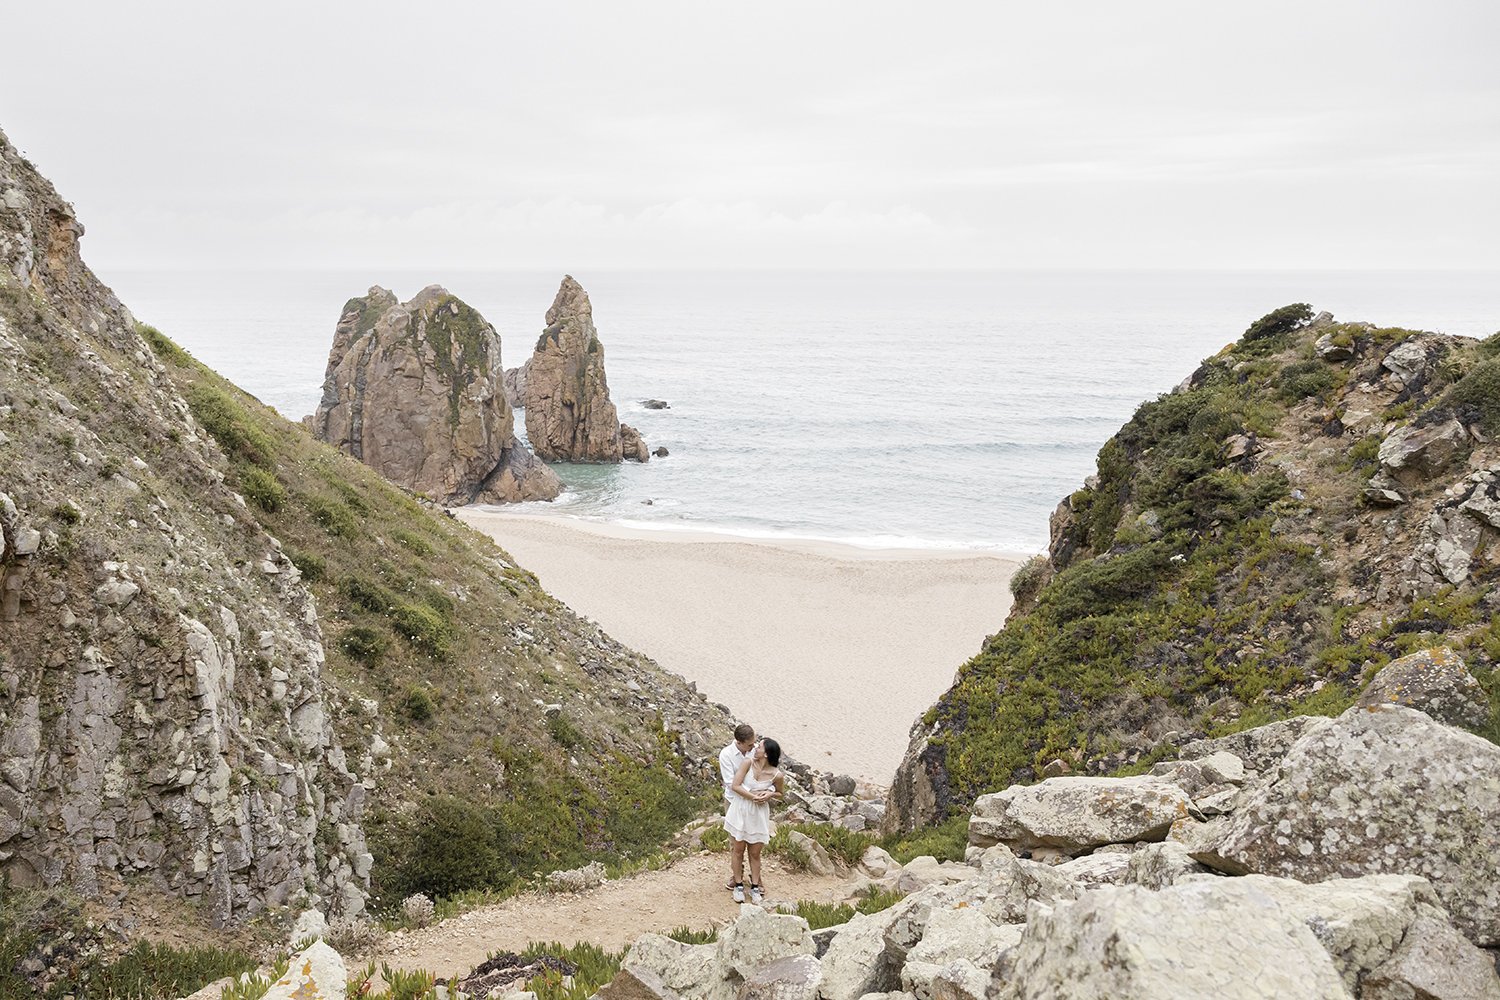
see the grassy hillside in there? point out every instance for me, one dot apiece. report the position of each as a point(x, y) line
point(1224, 569)
point(514, 743)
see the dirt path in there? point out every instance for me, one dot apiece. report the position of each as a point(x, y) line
point(690, 893)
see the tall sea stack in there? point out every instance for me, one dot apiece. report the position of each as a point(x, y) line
point(569, 415)
point(415, 390)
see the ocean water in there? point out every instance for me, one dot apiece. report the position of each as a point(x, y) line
point(921, 409)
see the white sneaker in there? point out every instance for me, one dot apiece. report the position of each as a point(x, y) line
point(757, 894)
point(739, 892)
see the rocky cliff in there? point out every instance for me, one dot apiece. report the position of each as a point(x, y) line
point(415, 390)
point(569, 415)
point(1315, 500)
point(164, 713)
point(240, 667)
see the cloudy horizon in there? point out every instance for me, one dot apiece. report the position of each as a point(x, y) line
point(1166, 135)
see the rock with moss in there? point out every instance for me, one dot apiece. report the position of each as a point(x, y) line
point(1434, 681)
point(569, 415)
point(1381, 789)
point(416, 391)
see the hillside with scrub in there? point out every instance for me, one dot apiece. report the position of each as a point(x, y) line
point(242, 676)
point(1317, 499)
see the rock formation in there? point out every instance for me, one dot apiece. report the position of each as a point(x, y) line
point(164, 715)
point(1314, 501)
point(415, 391)
point(569, 415)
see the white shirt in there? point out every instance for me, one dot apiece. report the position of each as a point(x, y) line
point(730, 759)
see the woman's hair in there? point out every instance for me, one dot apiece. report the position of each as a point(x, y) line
point(773, 751)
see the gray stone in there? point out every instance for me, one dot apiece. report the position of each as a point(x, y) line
point(794, 978)
point(859, 961)
point(1074, 814)
point(818, 861)
point(1414, 455)
point(1157, 866)
point(1406, 360)
point(1330, 351)
point(28, 541)
point(1433, 681)
point(1433, 962)
point(1130, 943)
point(757, 938)
point(1379, 789)
point(1259, 749)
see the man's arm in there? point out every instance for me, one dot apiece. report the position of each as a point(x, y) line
point(726, 768)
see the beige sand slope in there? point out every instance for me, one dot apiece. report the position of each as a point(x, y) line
point(832, 649)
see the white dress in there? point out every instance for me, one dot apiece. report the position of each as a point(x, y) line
point(750, 821)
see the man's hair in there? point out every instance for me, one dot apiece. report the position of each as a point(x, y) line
point(744, 733)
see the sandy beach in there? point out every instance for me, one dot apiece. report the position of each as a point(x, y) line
point(832, 649)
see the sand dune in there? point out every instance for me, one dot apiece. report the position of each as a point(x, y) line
point(834, 650)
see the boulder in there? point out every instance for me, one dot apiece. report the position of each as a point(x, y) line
point(692, 970)
point(1379, 789)
point(954, 935)
point(1075, 814)
point(315, 973)
point(415, 391)
point(876, 863)
point(1157, 866)
point(758, 938)
point(794, 978)
point(1330, 350)
point(859, 961)
point(569, 415)
point(1130, 943)
point(661, 451)
point(818, 861)
point(1407, 360)
point(632, 445)
point(1434, 681)
point(1433, 961)
point(637, 983)
point(1414, 455)
point(1259, 749)
point(1093, 870)
point(656, 404)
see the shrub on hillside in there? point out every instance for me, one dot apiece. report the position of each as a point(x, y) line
point(418, 705)
point(1279, 321)
point(262, 489)
point(227, 423)
point(451, 849)
point(1477, 395)
point(424, 628)
point(363, 643)
point(1301, 379)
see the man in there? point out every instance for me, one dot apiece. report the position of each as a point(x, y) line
point(730, 759)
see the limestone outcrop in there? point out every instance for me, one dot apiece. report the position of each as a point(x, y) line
point(164, 715)
point(569, 415)
point(415, 390)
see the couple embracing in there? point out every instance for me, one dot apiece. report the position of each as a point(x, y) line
point(752, 778)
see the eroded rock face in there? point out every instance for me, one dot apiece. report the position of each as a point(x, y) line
point(164, 716)
point(1380, 789)
point(415, 390)
point(1412, 455)
point(569, 415)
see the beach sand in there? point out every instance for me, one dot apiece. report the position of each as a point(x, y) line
point(833, 650)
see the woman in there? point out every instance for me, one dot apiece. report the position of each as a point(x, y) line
point(748, 819)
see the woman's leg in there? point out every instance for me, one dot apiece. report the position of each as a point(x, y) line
point(755, 863)
point(737, 861)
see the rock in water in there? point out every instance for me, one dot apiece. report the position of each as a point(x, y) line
point(569, 415)
point(632, 445)
point(416, 392)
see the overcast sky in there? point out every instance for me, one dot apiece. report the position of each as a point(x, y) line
point(568, 135)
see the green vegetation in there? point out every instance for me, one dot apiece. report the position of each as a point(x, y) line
point(420, 611)
point(688, 935)
point(1278, 322)
point(945, 841)
point(873, 900)
point(1477, 395)
point(592, 968)
point(33, 923)
point(1212, 616)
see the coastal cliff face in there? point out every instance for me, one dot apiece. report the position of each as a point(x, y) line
point(241, 668)
point(416, 391)
point(569, 415)
point(1315, 500)
point(163, 707)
